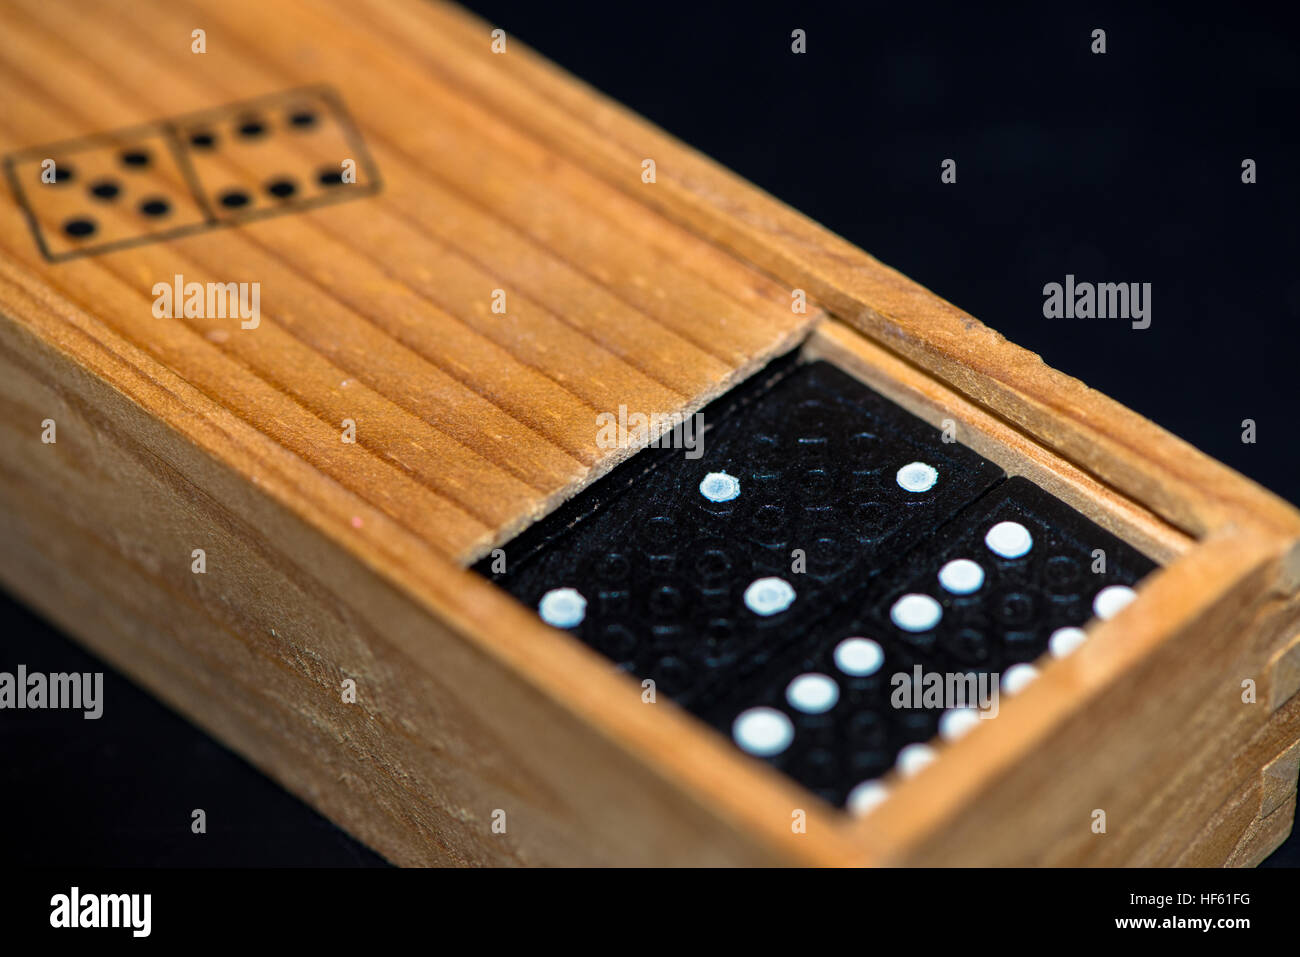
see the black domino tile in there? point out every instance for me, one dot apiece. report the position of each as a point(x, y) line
point(1023, 600)
point(1007, 621)
point(664, 570)
point(816, 452)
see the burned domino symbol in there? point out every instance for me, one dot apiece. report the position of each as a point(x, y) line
point(286, 152)
point(108, 191)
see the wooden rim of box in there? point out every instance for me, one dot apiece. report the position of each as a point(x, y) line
point(1229, 545)
point(1227, 592)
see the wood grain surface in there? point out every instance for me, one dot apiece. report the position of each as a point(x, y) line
point(1142, 461)
point(330, 561)
point(469, 423)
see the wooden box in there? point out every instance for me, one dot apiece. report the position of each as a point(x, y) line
point(332, 564)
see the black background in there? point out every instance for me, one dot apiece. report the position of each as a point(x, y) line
point(1122, 167)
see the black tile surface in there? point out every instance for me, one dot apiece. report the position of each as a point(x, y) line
point(664, 570)
point(1008, 620)
point(817, 454)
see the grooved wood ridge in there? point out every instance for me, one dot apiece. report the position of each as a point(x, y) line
point(469, 422)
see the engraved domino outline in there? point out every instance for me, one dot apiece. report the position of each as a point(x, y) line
point(168, 127)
